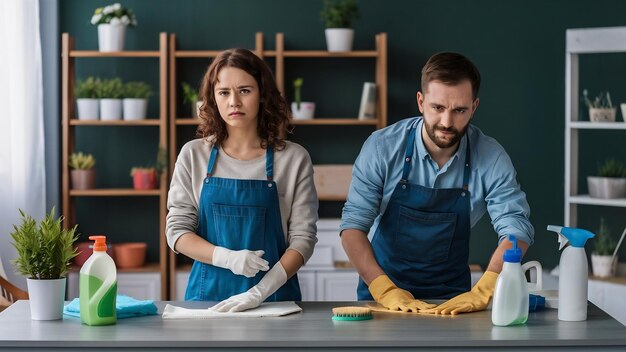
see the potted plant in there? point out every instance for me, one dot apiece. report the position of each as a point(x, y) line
point(190, 96)
point(610, 182)
point(147, 177)
point(44, 252)
point(82, 173)
point(86, 94)
point(135, 101)
point(301, 110)
point(601, 108)
point(112, 21)
point(603, 263)
point(338, 16)
point(111, 92)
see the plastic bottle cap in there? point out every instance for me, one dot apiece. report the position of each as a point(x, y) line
point(101, 243)
point(513, 255)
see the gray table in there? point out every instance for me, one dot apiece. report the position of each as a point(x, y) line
point(314, 329)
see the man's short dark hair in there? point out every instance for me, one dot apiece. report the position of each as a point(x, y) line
point(450, 68)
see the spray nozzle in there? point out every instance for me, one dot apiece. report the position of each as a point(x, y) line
point(514, 254)
point(100, 245)
point(576, 237)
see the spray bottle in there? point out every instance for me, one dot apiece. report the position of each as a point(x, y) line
point(573, 273)
point(98, 286)
point(510, 297)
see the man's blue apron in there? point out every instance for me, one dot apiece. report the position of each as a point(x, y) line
point(422, 241)
point(239, 214)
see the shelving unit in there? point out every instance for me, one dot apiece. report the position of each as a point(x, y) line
point(69, 130)
point(578, 42)
point(279, 55)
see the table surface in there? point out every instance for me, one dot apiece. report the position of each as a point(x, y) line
point(312, 327)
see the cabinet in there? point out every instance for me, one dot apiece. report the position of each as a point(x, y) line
point(279, 57)
point(71, 130)
point(578, 42)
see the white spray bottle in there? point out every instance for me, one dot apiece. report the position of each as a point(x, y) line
point(573, 273)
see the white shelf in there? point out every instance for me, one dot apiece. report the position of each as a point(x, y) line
point(587, 125)
point(586, 199)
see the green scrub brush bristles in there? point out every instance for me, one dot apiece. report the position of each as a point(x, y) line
point(352, 313)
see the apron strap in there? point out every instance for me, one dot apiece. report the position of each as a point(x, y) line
point(212, 158)
point(408, 155)
point(466, 171)
point(269, 163)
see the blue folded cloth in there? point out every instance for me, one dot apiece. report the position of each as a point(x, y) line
point(125, 307)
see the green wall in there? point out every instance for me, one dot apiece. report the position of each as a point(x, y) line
point(519, 47)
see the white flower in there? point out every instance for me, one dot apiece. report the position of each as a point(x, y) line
point(107, 10)
point(96, 18)
point(116, 6)
point(125, 20)
point(115, 21)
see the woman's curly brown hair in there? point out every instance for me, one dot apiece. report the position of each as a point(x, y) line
point(274, 114)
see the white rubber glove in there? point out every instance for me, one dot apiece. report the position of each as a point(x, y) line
point(272, 281)
point(243, 262)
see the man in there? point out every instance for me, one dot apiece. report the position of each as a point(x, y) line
point(420, 185)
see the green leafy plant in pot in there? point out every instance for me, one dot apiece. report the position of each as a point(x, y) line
point(602, 261)
point(82, 173)
point(190, 96)
point(301, 110)
point(338, 16)
point(111, 92)
point(44, 252)
point(147, 177)
point(135, 102)
point(600, 108)
point(610, 181)
point(86, 95)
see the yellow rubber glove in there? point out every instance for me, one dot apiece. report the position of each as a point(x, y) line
point(389, 295)
point(475, 300)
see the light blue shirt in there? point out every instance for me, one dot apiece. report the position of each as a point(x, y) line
point(492, 183)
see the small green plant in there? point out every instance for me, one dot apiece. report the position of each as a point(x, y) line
point(297, 91)
point(137, 90)
point(339, 13)
point(190, 95)
point(612, 168)
point(87, 89)
point(603, 100)
point(603, 242)
point(111, 89)
point(80, 161)
point(44, 251)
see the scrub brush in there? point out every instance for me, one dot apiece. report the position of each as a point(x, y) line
point(352, 313)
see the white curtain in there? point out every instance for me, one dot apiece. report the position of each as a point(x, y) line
point(22, 163)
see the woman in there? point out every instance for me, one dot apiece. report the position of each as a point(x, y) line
point(242, 202)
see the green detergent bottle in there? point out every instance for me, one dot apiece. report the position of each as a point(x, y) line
point(98, 286)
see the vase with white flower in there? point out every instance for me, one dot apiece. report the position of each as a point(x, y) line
point(112, 21)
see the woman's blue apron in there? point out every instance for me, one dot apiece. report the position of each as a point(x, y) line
point(422, 240)
point(239, 214)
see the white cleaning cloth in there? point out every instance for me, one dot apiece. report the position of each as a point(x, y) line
point(268, 309)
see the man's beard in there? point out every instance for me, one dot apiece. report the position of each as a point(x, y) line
point(444, 143)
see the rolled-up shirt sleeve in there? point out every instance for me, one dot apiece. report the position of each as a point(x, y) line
point(506, 202)
point(366, 189)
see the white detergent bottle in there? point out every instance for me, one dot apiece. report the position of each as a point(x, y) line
point(510, 298)
point(98, 286)
point(573, 273)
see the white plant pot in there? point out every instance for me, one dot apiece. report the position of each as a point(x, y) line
point(603, 265)
point(195, 113)
point(135, 109)
point(606, 187)
point(110, 109)
point(46, 298)
point(623, 108)
point(87, 108)
point(306, 111)
point(111, 37)
point(602, 114)
point(339, 39)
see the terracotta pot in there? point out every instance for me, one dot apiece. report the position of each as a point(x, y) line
point(83, 179)
point(145, 179)
point(130, 254)
point(85, 250)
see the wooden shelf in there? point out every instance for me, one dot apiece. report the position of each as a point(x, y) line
point(114, 192)
point(146, 268)
point(94, 53)
point(146, 122)
point(328, 54)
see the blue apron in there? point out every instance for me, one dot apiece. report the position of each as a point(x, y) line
point(239, 214)
point(422, 240)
